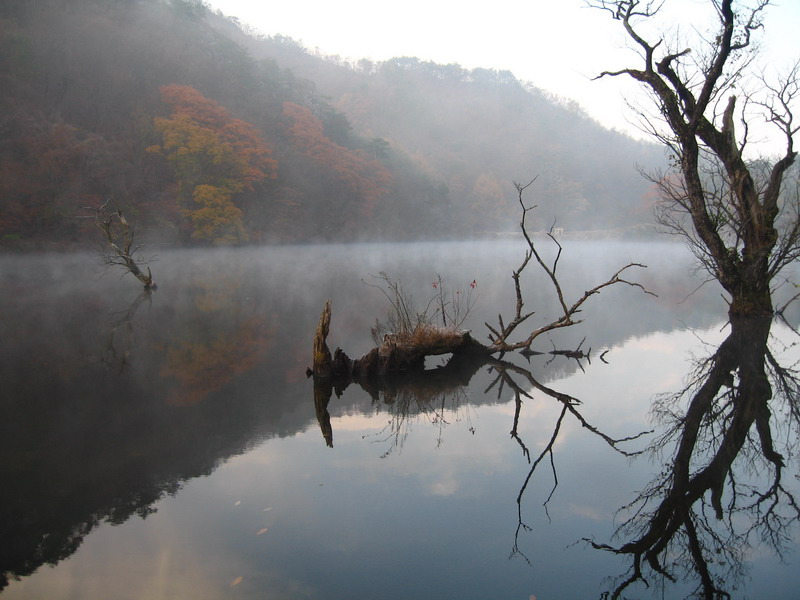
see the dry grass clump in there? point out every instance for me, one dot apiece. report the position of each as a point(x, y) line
point(427, 335)
point(405, 325)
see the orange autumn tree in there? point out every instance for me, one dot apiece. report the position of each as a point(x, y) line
point(366, 179)
point(215, 158)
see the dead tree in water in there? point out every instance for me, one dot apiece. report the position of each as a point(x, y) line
point(405, 351)
point(119, 234)
point(732, 211)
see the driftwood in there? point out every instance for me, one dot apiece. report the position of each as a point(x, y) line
point(422, 387)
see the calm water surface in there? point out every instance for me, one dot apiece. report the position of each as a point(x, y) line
point(170, 447)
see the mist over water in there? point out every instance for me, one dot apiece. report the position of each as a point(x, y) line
point(191, 408)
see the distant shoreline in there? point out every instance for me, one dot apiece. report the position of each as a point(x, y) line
point(638, 232)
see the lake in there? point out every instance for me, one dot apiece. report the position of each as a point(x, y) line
point(169, 446)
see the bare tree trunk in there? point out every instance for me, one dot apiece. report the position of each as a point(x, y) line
point(120, 237)
point(733, 204)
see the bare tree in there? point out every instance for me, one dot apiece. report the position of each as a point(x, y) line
point(728, 208)
point(120, 234)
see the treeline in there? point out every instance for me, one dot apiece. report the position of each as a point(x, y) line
point(204, 134)
point(478, 130)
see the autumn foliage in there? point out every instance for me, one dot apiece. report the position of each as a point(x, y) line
point(215, 158)
point(219, 340)
point(365, 179)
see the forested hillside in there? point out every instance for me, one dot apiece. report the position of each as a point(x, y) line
point(478, 130)
point(206, 135)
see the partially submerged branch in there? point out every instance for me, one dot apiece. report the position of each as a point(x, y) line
point(409, 336)
point(500, 336)
point(119, 234)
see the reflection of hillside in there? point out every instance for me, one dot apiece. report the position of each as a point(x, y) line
point(106, 458)
point(203, 358)
point(82, 443)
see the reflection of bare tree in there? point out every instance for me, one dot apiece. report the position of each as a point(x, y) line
point(122, 337)
point(723, 489)
point(570, 406)
point(438, 394)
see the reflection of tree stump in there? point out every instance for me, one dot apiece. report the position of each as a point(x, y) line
point(323, 388)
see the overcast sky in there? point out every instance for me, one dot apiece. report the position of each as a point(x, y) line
point(558, 45)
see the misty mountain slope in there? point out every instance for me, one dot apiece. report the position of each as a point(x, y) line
point(479, 130)
point(85, 118)
point(94, 94)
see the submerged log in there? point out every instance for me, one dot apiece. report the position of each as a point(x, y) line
point(408, 354)
point(397, 354)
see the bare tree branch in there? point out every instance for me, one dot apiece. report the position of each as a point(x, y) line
point(120, 236)
point(500, 338)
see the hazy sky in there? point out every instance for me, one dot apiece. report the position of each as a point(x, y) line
point(557, 45)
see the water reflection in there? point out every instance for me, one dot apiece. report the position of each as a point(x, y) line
point(436, 393)
point(724, 488)
point(113, 401)
point(508, 375)
point(721, 493)
point(122, 334)
point(110, 405)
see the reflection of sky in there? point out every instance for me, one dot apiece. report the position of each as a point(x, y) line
point(433, 519)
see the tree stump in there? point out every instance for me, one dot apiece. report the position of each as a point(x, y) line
point(322, 365)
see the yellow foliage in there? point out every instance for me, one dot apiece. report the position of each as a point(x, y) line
point(217, 220)
point(215, 157)
point(199, 155)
